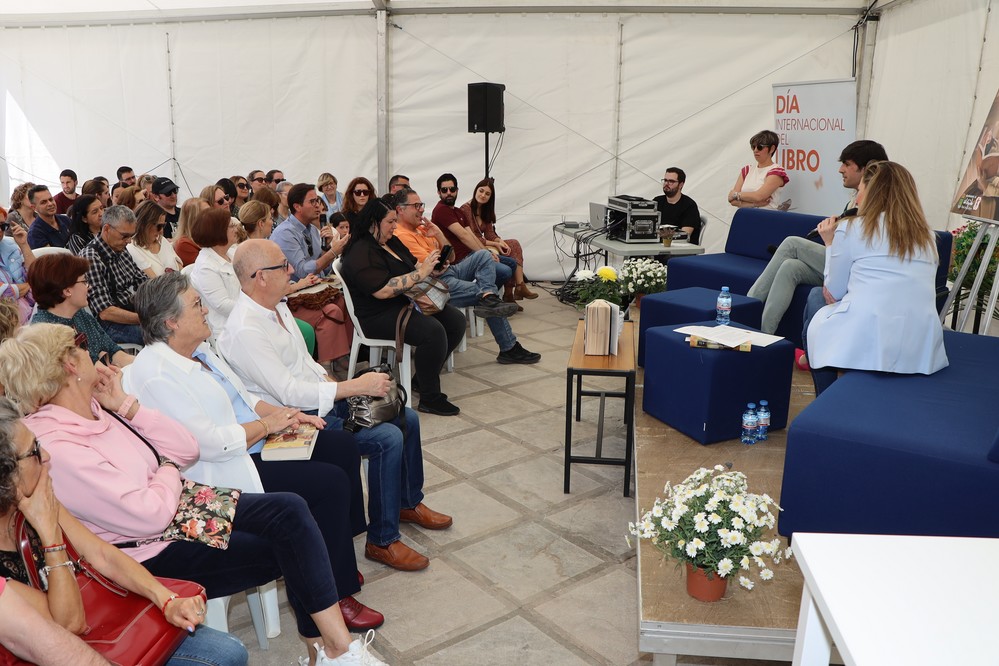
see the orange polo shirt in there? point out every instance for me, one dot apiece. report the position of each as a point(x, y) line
point(416, 241)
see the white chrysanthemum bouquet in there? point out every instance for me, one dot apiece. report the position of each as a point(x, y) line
point(643, 276)
point(713, 522)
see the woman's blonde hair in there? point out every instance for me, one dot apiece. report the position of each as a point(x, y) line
point(31, 363)
point(188, 214)
point(890, 190)
point(252, 213)
point(10, 318)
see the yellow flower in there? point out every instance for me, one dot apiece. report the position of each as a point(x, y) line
point(607, 274)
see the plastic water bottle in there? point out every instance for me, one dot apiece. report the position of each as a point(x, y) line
point(750, 424)
point(723, 307)
point(763, 416)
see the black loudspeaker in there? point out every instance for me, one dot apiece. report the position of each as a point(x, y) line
point(485, 107)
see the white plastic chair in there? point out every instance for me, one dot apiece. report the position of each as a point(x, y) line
point(375, 345)
point(42, 251)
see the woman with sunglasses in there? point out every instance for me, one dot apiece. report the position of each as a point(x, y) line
point(61, 286)
point(481, 214)
point(85, 222)
point(153, 253)
point(359, 192)
point(242, 194)
point(760, 186)
point(25, 486)
point(110, 479)
point(215, 196)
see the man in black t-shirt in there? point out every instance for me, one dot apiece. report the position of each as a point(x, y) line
point(676, 208)
point(165, 194)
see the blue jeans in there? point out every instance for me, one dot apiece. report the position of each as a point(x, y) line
point(273, 535)
point(478, 266)
point(505, 268)
point(395, 470)
point(208, 647)
point(821, 377)
point(123, 333)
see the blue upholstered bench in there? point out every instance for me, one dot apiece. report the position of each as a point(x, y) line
point(900, 454)
point(680, 306)
point(703, 392)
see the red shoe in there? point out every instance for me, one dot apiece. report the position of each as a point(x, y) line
point(359, 617)
point(800, 360)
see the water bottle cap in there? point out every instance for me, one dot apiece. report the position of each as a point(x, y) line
point(763, 403)
point(724, 288)
point(751, 405)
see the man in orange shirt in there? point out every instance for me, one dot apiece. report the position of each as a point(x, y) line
point(471, 282)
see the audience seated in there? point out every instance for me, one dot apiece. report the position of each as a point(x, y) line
point(256, 218)
point(64, 199)
point(164, 192)
point(480, 212)
point(61, 286)
point(359, 192)
point(270, 198)
point(215, 197)
point(178, 374)
point(213, 276)
point(877, 309)
point(22, 211)
point(15, 258)
point(472, 282)
point(85, 222)
point(282, 190)
point(131, 196)
point(378, 269)
point(26, 485)
point(114, 277)
point(152, 253)
point(265, 348)
point(48, 228)
point(183, 245)
point(326, 187)
point(242, 194)
point(98, 187)
point(109, 480)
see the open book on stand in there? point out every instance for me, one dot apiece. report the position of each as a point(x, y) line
point(291, 443)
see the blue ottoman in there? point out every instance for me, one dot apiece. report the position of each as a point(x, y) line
point(691, 304)
point(703, 392)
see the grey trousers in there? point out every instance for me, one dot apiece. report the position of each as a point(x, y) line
point(797, 261)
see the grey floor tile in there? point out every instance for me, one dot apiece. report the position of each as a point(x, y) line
point(457, 384)
point(473, 452)
point(491, 407)
point(513, 641)
point(474, 513)
point(546, 431)
point(537, 483)
point(601, 521)
point(549, 391)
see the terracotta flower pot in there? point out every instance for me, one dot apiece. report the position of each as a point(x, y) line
point(701, 587)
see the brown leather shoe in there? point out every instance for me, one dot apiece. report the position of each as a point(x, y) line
point(359, 617)
point(425, 517)
point(396, 555)
point(522, 291)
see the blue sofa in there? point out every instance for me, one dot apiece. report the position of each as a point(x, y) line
point(900, 454)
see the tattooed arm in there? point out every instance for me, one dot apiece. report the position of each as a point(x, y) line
point(399, 284)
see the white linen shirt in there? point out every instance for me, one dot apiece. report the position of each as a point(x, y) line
point(272, 359)
point(216, 281)
point(178, 387)
point(159, 263)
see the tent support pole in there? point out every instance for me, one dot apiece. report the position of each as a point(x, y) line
point(865, 72)
point(173, 120)
point(382, 93)
point(616, 149)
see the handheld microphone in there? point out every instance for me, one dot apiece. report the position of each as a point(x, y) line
point(814, 233)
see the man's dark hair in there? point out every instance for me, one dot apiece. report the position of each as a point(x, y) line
point(69, 173)
point(122, 170)
point(680, 175)
point(401, 198)
point(444, 177)
point(269, 176)
point(863, 151)
point(297, 194)
point(396, 178)
point(35, 190)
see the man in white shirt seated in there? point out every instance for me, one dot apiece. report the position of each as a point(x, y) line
point(264, 346)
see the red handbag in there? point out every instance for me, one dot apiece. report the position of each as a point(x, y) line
point(125, 628)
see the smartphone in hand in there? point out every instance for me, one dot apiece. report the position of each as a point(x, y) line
point(444, 257)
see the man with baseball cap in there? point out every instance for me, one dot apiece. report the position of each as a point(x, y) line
point(165, 194)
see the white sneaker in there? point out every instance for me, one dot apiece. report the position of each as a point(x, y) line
point(357, 653)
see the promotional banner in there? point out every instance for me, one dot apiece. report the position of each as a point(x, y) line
point(815, 120)
point(978, 192)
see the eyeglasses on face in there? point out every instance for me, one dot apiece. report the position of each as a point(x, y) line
point(123, 235)
point(312, 202)
point(81, 341)
point(670, 181)
point(34, 452)
point(449, 189)
point(419, 205)
point(83, 280)
point(361, 193)
point(282, 266)
point(196, 304)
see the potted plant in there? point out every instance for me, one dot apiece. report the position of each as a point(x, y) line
point(964, 237)
point(667, 234)
point(717, 528)
point(603, 284)
point(642, 276)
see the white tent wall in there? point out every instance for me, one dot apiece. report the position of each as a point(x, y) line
point(928, 98)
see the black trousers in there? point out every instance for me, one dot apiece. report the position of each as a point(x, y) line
point(433, 338)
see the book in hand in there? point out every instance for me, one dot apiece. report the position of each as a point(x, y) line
point(291, 443)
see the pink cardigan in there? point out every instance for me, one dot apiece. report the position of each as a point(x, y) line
point(108, 478)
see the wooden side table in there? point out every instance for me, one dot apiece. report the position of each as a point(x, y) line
point(620, 365)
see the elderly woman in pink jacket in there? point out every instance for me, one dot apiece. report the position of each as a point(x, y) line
point(127, 494)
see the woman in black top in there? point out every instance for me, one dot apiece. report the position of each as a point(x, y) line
point(378, 269)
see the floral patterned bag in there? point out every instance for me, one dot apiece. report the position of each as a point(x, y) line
point(204, 513)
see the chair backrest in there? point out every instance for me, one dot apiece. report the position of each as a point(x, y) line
point(755, 229)
point(42, 251)
point(348, 301)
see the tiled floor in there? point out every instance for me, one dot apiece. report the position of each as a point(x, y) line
point(527, 574)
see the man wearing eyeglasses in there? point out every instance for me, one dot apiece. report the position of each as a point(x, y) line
point(677, 209)
point(300, 238)
point(165, 194)
point(114, 277)
point(274, 178)
point(455, 225)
